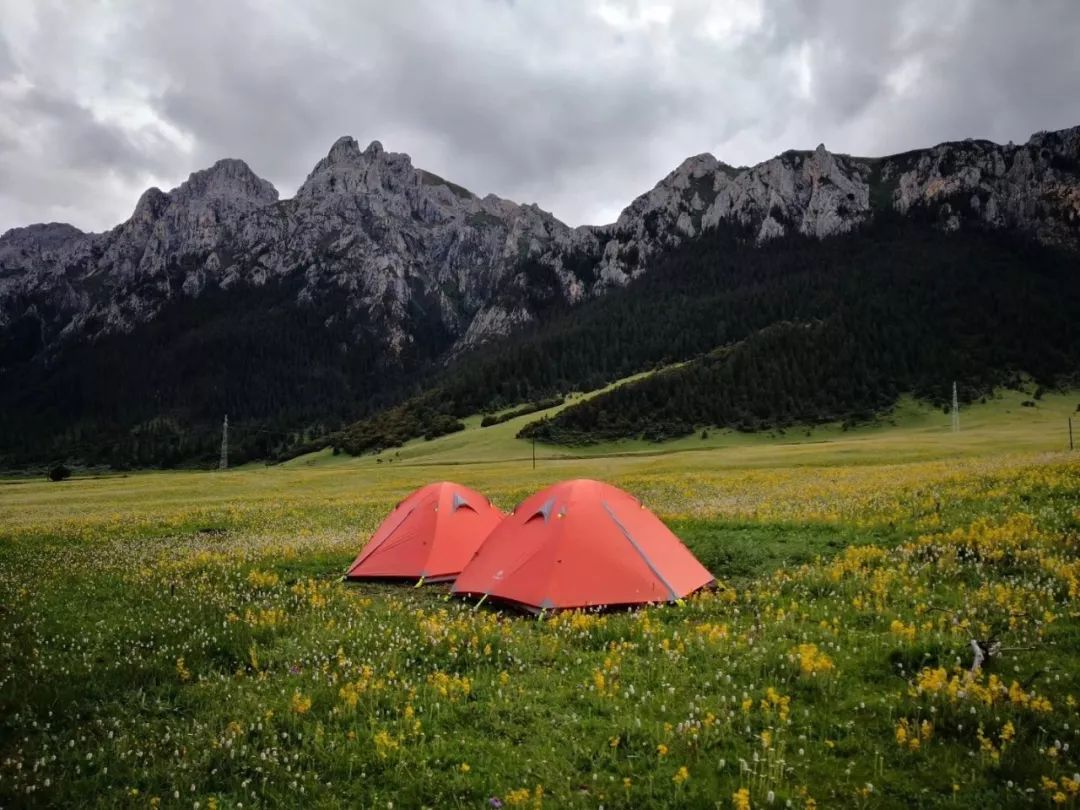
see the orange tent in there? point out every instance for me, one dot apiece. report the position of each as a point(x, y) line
point(578, 544)
point(431, 534)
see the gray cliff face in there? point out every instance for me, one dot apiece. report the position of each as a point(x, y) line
point(815, 194)
point(382, 240)
point(819, 195)
point(661, 218)
point(1034, 187)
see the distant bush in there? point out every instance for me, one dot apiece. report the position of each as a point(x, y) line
point(59, 473)
point(301, 449)
point(524, 410)
point(393, 427)
point(441, 426)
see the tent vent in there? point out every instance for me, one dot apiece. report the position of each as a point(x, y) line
point(544, 510)
point(460, 502)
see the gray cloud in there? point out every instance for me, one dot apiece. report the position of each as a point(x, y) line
point(576, 106)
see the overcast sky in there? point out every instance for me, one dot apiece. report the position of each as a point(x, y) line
point(578, 106)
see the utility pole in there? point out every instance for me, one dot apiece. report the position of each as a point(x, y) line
point(224, 444)
point(955, 409)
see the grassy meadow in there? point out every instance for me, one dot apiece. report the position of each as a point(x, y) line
point(183, 639)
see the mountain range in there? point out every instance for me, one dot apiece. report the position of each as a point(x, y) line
point(300, 316)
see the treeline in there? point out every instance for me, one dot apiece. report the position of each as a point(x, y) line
point(787, 374)
point(286, 373)
point(392, 427)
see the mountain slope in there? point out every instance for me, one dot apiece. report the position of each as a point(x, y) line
point(297, 315)
point(796, 331)
point(895, 308)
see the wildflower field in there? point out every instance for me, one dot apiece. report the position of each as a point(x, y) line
point(184, 640)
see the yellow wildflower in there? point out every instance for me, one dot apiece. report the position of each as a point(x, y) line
point(182, 671)
point(811, 659)
point(300, 703)
point(385, 744)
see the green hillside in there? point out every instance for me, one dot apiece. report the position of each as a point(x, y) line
point(794, 333)
point(912, 430)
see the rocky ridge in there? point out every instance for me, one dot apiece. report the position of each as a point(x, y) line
point(385, 240)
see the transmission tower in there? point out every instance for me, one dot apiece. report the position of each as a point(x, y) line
point(225, 444)
point(955, 409)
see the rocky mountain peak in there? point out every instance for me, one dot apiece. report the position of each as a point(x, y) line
point(152, 203)
point(42, 235)
point(695, 166)
point(344, 150)
point(33, 244)
point(230, 179)
point(1065, 140)
point(347, 170)
point(375, 235)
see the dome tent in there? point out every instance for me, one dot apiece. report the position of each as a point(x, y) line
point(430, 535)
point(581, 544)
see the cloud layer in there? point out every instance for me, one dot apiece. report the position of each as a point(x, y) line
point(578, 106)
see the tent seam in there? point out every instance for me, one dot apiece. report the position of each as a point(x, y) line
point(640, 550)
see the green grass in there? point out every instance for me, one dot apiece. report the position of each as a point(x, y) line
point(913, 431)
point(163, 632)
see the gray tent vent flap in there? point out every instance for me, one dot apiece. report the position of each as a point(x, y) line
point(544, 510)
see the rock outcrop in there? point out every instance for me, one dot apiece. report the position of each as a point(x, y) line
point(1034, 187)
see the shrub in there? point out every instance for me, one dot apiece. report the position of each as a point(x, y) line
point(524, 410)
point(59, 473)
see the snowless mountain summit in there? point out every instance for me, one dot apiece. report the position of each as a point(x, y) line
point(398, 250)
